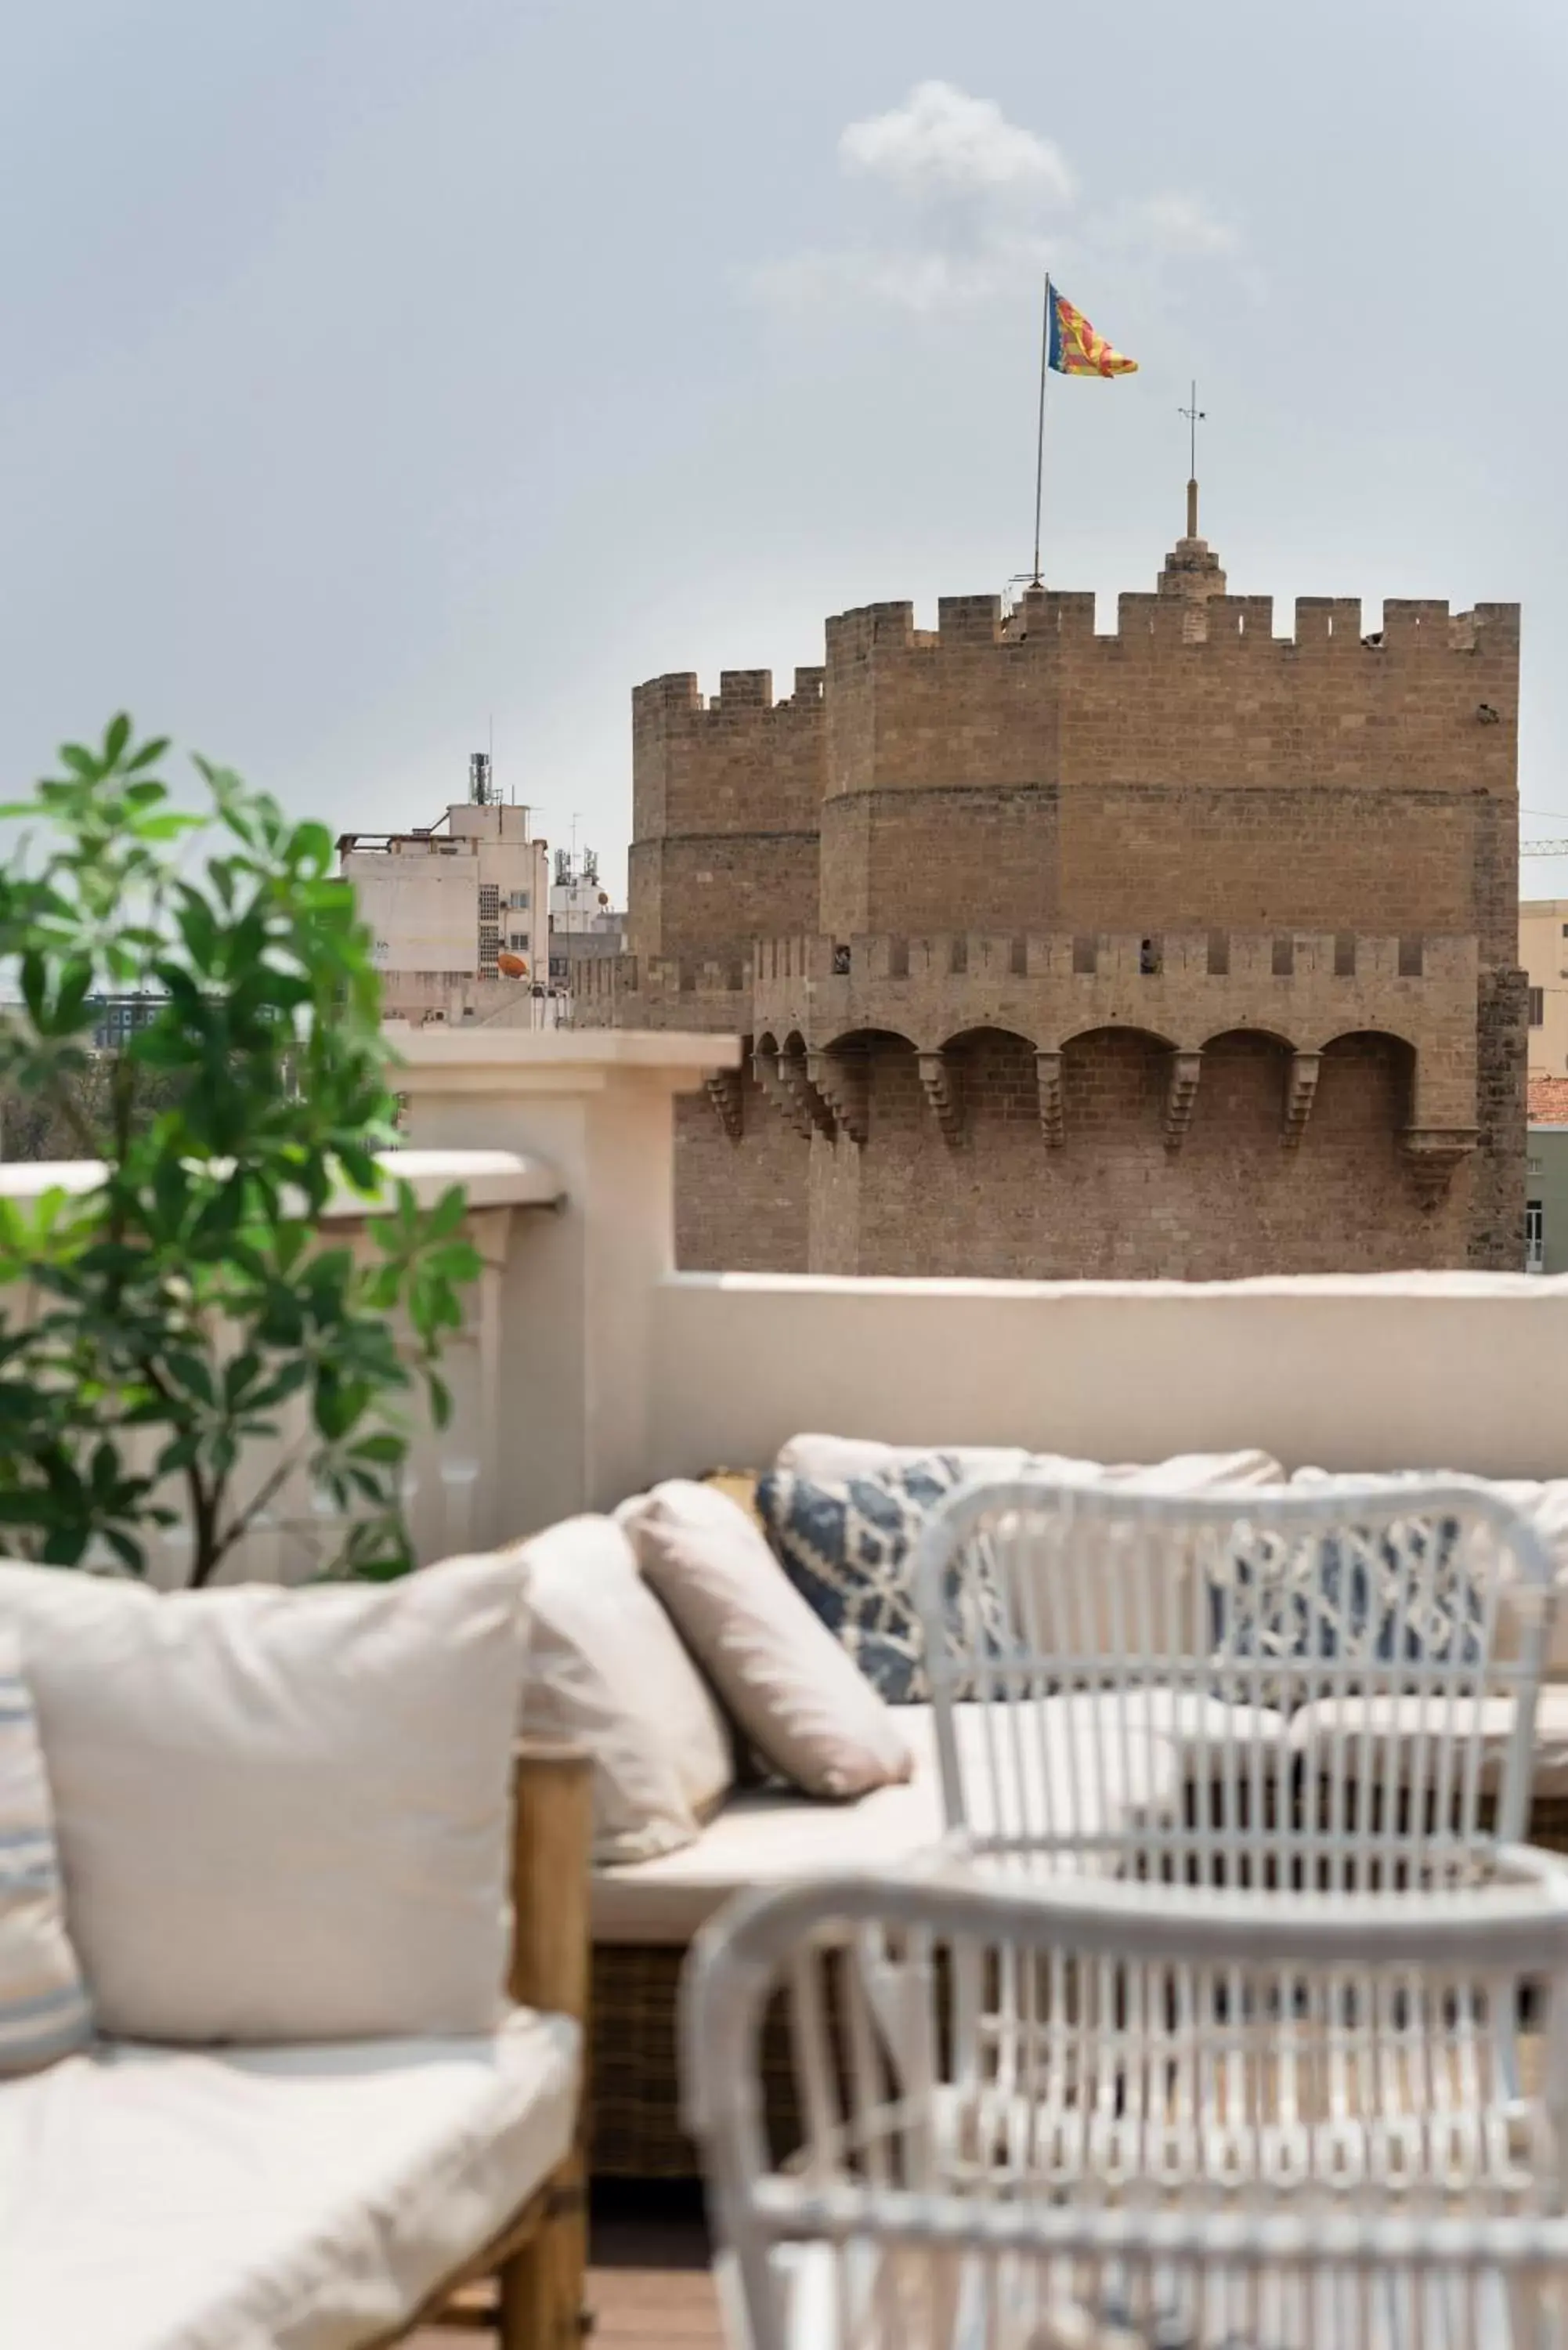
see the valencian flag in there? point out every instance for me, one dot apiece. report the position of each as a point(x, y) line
point(1075, 348)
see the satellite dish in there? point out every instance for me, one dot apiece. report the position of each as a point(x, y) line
point(512, 966)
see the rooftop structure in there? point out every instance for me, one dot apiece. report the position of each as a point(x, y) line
point(459, 909)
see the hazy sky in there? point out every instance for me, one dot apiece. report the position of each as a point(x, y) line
point(373, 368)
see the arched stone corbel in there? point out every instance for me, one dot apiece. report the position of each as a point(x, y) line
point(796, 1077)
point(1052, 1117)
point(768, 1070)
point(1181, 1092)
point(723, 1090)
point(940, 1079)
point(1300, 1091)
point(842, 1081)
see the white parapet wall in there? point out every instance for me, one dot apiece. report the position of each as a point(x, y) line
point(1466, 1371)
point(578, 1297)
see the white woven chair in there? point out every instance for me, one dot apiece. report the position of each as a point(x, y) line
point(1276, 2124)
point(1256, 1687)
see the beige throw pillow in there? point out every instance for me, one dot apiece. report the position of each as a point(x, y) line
point(793, 1688)
point(607, 1670)
point(281, 1814)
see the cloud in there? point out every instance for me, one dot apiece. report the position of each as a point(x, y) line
point(1174, 224)
point(982, 201)
point(941, 142)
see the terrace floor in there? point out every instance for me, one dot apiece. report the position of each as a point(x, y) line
point(648, 2286)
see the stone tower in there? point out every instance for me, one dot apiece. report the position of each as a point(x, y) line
point(1188, 951)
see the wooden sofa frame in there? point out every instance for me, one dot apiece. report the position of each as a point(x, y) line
point(527, 2287)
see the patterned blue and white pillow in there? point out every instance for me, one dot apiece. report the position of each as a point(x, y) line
point(1307, 1600)
point(43, 2010)
point(848, 1544)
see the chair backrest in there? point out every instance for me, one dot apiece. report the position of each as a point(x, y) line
point(1270, 1686)
point(1290, 2124)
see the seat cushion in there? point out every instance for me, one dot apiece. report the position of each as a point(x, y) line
point(282, 1815)
point(302, 2198)
point(1381, 1734)
point(771, 1835)
point(767, 1837)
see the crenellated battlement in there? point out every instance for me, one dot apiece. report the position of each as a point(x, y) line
point(678, 694)
point(1053, 617)
point(1188, 690)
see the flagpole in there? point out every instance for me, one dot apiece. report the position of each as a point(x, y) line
point(1040, 436)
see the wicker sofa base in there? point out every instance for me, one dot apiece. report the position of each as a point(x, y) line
point(633, 2127)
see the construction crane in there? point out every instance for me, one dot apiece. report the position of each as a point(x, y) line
point(1544, 848)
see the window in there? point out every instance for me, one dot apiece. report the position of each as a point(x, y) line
point(518, 901)
point(1534, 1237)
point(1565, 930)
point(516, 940)
point(1538, 1008)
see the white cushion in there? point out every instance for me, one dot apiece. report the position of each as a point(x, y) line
point(832, 1456)
point(765, 1838)
point(607, 1671)
point(305, 2197)
point(829, 1458)
point(1382, 1734)
point(793, 1689)
point(1545, 1505)
point(43, 2010)
point(282, 1815)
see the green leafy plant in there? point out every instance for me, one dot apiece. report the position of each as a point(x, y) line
point(180, 1340)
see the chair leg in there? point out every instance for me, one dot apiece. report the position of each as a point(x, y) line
point(542, 2289)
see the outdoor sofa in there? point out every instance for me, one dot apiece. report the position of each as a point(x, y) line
point(298, 2057)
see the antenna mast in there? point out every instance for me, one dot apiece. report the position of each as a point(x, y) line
point(1194, 416)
